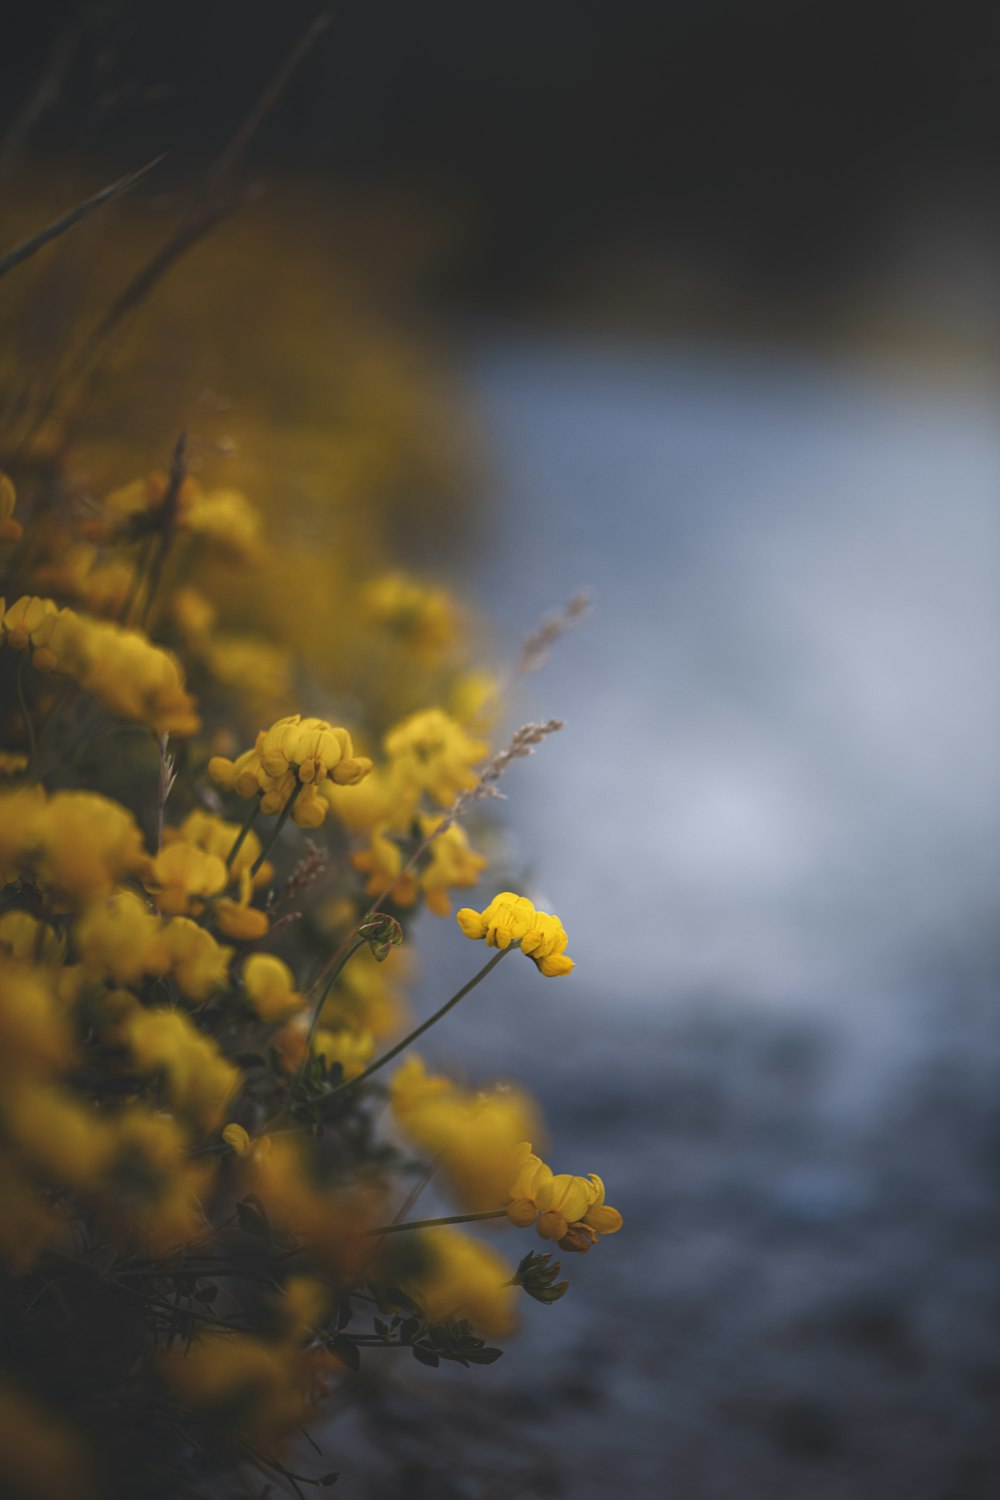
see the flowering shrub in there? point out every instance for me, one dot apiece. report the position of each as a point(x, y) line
point(209, 1216)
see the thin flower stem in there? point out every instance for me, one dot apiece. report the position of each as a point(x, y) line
point(241, 836)
point(380, 1062)
point(283, 819)
point(29, 727)
point(317, 1009)
point(491, 1213)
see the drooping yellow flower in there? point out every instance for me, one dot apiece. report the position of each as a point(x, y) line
point(513, 919)
point(565, 1208)
point(432, 753)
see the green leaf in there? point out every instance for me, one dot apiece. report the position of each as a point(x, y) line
point(426, 1356)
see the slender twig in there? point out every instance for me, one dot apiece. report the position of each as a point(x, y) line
point(165, 786)
point(29, 727)
point(29, 247)
point(244, 832)
point(166, 521)
point(380, 1062)
point(491, 1213)
point(282, 820)
point(359, 942)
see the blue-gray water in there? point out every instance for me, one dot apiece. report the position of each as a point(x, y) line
point(771, 829)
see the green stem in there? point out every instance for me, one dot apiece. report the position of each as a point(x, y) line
point(283, 819)
point(241, 836)
point(491, 1213)
point(29, 727)
point(335, 975)
point(380, 1062)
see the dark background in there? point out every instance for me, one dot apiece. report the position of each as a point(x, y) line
point(773, 142)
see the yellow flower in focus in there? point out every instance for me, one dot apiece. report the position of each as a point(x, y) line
point(513, 919)
point(568, 1209)
point(10, 530)
point(269, 985)
point(432, 753)
point(312, 749)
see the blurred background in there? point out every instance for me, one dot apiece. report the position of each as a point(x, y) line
point(696, 305)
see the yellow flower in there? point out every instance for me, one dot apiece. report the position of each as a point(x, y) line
point(474, 1136)
point(182, 876)
point(422, 618)
point(245, 775)
point(237, 1139)
point(352, 1050)
point(10, 530)
point(197, 963)
point(89, 844)
point(227, 520)
point(26, 937)
point(465, 1279)
point(199, 1079)
point(119, 939)
point(269, 985)
point(382, 862)
point(58, 1134)
point(513, 919)
point(311, 748)
point(11, 763)
point(569, 1209)
point(216, 836)
point(22, 618)
point(432, 753)
point(452, 863)
point(22, 813)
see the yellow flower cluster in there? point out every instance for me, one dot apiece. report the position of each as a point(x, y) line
point(120, 668)
point(511, 919)
point(292, 760)
point(224, 518)
point(569, 1210)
